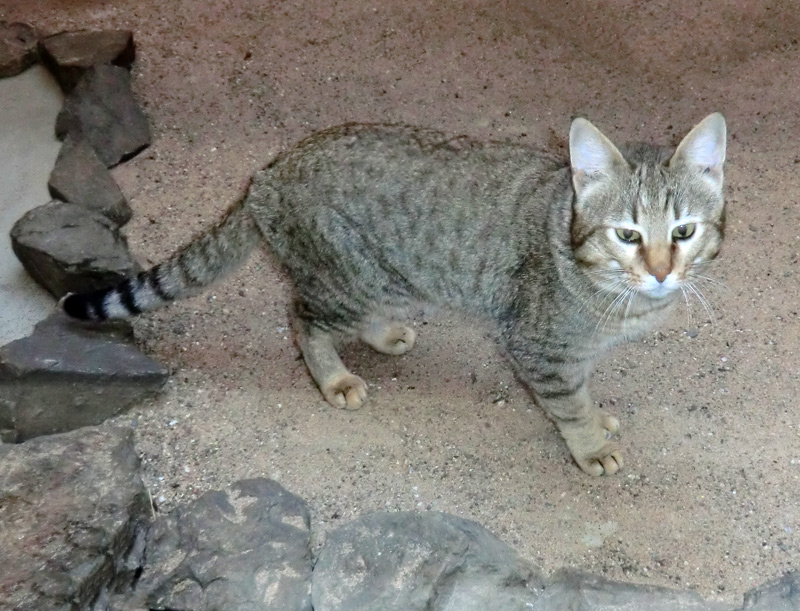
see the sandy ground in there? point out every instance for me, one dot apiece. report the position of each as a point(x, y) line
point(709, 498)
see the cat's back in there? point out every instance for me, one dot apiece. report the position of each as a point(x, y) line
point(388, 169)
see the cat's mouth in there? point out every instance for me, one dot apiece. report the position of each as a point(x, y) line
point(658, 289)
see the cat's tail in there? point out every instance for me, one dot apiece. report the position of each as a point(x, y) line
point(197, 265)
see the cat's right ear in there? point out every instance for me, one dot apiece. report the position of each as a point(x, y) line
point(592, 156)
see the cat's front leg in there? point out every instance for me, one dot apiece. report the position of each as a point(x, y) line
point(586, 428)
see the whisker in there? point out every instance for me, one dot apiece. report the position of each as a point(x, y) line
point(614, 306)
point(632, 296)
point(688, 306)
point(703, 301)
point(712, 282)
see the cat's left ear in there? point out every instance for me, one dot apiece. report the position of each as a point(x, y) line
point(703, 149)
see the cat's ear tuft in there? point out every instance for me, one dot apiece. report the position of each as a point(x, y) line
point(703, 149)
point(593, 157)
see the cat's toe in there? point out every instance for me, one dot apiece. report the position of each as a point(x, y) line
point(606, 461)
point(401, 340)
point(609, 423)
point(345, 391)
point(612, 463)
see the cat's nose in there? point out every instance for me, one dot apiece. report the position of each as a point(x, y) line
point(658, 261)
point(660, 274)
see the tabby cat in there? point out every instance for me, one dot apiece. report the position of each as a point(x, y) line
point(565, 260)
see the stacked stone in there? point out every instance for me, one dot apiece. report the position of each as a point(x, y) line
point(65, 376)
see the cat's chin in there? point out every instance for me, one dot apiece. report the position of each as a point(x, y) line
point(660, 292)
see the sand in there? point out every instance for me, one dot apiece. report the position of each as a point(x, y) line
point(709, 495)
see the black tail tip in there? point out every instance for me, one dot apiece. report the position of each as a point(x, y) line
point(78, 306)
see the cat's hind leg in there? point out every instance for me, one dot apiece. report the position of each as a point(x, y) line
point(340, 388)
point(388, 336)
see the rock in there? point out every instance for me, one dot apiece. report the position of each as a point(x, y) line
point(79, 177)
point(101, 108)
point(780, 595)
point(66, 248)
point(583, 592)
point(17, 48)
point(413, 561)
point(246, 548)
point(73, 517)
point(69, 54)
point(67, 375)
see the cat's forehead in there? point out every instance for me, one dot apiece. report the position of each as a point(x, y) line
point(653, 192)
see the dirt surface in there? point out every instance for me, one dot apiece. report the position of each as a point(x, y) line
point(709, 498)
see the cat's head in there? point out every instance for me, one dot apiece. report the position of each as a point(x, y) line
point(645, 222)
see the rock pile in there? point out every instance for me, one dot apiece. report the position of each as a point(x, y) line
point(65, 375)
point(76, 532)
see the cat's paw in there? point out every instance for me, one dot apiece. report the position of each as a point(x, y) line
point(345, 391)
point(590, 445)
point(390, 338)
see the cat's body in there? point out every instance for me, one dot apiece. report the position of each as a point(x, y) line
point(369, 220)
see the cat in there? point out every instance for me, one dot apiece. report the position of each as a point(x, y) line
point(565, 259)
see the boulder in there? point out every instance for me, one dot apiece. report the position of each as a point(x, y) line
point(79, 177)
point(780, 595)
point(17, 48)
point(102, 110)
point(73, 519)
point(584, 592)
point(69, 248)
point(68, 375)
point(245, 548)
point(69, 54)
point(420, 561)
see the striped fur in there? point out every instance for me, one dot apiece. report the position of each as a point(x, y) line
point(566, 260)
point(191, 269)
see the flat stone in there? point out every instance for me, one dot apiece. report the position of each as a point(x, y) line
point(73, 519)
point(69, 248)
point(79, 177)
point(420, 561)
point(780, 595)
point(17, 48)
point(583, 592)
point(69, 54)
point(102, 109)
point(67, 375)
point(245, 548)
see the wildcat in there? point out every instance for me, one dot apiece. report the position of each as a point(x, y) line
point(564, 259)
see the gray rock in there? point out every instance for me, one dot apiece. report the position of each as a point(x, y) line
point(780, 595)
point(67, 375)
point(101, 108)
point(17, 48)
point(583, 592)
point(73, 516)
point(79, 177)
point(246, 549)
point(66, 248)
point(420, 561)
point(69, 54)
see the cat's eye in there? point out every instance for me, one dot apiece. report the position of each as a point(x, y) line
point(630, 236)
point(681, 232)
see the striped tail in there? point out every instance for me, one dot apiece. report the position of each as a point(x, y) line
point(197, 265)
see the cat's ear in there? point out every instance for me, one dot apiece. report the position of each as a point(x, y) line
point(703, 150)
point(593, 157)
